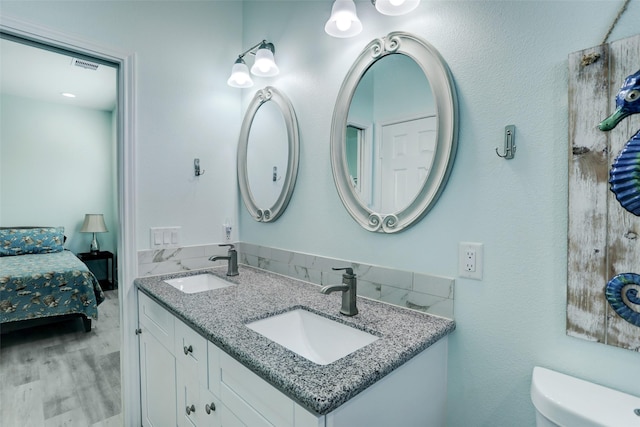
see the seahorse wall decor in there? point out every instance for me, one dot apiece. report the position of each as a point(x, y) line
point(623, 291)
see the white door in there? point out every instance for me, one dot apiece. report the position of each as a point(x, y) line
point(406, 156)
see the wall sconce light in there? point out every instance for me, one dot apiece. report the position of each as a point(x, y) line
point(94, 223)
point(395, 7)
point(264, 65)
point(344, 21)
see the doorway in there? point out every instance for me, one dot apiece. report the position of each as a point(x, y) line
point(58, 157)
point(124, 178)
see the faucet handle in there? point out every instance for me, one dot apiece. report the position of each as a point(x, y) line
point(231, 247)
point(348, 271)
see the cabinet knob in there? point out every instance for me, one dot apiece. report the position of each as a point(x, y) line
point(210, 407)
point(138, 331)
point(191, 409)
point(188, 350)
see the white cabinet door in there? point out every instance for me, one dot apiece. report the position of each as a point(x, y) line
point(191, 373)
point(157, 382)
point(210, 411)
point(240, 387)
point(257, 403)
point(188, 396)
point(230, 420)
point(191, 351)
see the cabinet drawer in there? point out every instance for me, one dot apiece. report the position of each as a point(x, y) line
point(239, 386)
point(227, 419)
point(157, 320)
point(191, 351)
point(244, 412)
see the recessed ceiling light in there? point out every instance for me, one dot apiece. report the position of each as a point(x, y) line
point(68, 95)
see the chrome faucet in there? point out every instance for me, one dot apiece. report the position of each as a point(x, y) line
point(232, 257)
point(348, 288)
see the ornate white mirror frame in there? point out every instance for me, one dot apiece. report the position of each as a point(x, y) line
point(442, 86)
point(269, 213)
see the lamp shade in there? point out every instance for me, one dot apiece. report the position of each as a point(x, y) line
point(396, 7)
point(240, 75)
point(343, 21)
point(93, 223)
point(265, 64)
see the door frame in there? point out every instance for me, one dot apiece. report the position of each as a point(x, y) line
point(127, 259)
point(366, 161)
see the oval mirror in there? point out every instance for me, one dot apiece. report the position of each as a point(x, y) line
point(268, 154)
point(394, 133)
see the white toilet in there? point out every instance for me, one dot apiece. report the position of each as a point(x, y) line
point(565, 401)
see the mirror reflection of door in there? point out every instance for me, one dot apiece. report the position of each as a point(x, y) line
point(267, 155)
point(389, 165)
point(406, 155)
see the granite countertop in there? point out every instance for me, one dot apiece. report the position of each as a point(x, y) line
point(220, 315)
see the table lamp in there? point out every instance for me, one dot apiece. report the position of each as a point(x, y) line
point(94, 223)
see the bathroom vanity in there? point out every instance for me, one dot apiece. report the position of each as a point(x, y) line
point(202, 365)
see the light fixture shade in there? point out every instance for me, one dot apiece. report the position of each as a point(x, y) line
point(264, 64)
point(93, 223)
point(396, 7)
point(240, 75)
point(343, 21)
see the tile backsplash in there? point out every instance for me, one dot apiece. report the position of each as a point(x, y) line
point(422, 292)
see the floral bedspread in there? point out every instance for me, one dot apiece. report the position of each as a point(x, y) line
point(43, 285)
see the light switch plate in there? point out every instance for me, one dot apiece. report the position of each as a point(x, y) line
point(165, 237)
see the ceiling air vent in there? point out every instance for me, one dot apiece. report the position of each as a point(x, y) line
point(84, 64)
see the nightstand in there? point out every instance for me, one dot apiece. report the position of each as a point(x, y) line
point(99, 256)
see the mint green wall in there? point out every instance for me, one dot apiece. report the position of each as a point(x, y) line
point(57, 164)
point(509, 62)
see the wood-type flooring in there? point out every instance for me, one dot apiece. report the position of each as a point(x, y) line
point(57, 375)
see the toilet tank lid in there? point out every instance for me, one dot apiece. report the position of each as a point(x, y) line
point(566, 400)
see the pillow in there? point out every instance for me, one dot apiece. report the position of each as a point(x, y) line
point(40, 240)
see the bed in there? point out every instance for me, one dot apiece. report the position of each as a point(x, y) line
point(40, 280)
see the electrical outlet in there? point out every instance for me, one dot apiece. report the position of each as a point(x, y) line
point(226, 232)
point(470, 259)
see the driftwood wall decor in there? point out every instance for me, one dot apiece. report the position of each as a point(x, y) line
point(604, 238)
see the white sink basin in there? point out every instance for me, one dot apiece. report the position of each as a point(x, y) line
point(198, 283)
point(313, 337)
